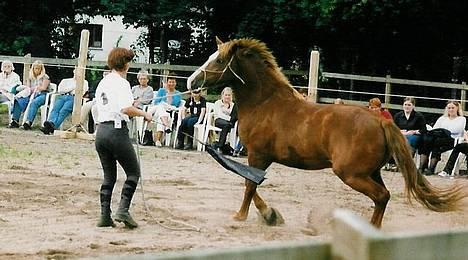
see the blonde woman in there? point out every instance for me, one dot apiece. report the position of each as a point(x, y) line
point(36, 87)
point(441, 138)
point(225, 115)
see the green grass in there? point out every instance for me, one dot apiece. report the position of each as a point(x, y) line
point(3, 109)
point(6, 151)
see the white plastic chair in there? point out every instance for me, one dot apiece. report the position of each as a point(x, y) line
point(210, 127)
point(199, 129)
point(44, 109)
point(142, 125)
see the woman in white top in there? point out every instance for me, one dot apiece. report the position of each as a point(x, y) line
point(8, 81)
point(225, 115)
point(453, 121)
point(114, 102)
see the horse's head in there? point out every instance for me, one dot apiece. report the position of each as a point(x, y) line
point(233, 64)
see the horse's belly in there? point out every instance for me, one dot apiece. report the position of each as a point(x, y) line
point(306, 164)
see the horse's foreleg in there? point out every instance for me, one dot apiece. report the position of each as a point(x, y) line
point(250, 191)
point(374, 188)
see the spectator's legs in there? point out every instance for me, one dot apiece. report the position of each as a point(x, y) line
point(16, 112)
point(190, 129)
point(66, 110)
point(459, 148)
point(225, 128)
point(37, 102)
point(180, 135)
point(59, 103)
point(413, 141)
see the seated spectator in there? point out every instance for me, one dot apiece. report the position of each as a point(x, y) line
point(9, 80)
point(459, 148)
point(376, 106)
point(143, 93)
point(35, 88)
point(338, 101)
point(441, 138)
point(225, 115)
point(63, 105)
point(167, 102)
point(196, 105)
point(89, 110)
point(411, 123)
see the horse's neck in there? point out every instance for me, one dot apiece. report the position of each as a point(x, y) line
point(262, 89)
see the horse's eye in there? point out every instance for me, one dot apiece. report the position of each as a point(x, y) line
point(219, 61)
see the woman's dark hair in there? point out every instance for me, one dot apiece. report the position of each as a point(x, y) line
point(118, 57)
point(411, 100)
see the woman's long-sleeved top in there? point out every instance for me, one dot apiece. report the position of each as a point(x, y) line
point(144, 95)
point(415, 121)
point(456, 126)
point(220, 111)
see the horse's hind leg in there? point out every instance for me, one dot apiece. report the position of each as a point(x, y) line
point(374, 188)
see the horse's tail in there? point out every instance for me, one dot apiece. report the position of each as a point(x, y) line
point(417, 186)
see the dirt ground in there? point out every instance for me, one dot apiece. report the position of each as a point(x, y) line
point(49, 202)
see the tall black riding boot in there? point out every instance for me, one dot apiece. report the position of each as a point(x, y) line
point(106, 195)
point(423, 161)
point(122, 214)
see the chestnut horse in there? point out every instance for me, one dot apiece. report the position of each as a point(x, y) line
point(276, 124)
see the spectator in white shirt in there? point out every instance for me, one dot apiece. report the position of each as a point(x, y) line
point(63, 105)
point(452, 121)
point(9, 80)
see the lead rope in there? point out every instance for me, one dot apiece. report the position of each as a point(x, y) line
point(188, 227)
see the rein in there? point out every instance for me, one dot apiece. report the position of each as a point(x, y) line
point(228, 66)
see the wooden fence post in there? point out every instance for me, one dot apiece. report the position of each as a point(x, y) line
point(463, 96)
point(80, 74)
point(313, 76)
point(388, 90)
point(27, 66)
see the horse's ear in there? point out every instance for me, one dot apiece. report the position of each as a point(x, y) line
point(218, 41)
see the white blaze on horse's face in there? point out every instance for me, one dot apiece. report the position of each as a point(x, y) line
point(201, 69)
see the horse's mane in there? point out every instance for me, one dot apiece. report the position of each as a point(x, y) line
point(260, 48)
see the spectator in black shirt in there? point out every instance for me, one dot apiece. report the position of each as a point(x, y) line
point(196, 105)
point(411, 123)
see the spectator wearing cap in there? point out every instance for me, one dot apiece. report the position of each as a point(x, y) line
point(196, 106)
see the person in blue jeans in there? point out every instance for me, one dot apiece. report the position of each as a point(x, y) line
point(63, 106)
point(37, 84)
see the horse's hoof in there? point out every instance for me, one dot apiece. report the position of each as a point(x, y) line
point(271, 217)
point(239, 217)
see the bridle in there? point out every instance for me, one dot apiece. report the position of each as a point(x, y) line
point(228, 66)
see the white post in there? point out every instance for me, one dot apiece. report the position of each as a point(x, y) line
point(313, 76)
point(80, 75)
point(388, 91)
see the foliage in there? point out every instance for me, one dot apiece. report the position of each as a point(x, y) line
point(406, 38)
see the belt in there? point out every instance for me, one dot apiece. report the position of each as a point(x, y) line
point(124, 123)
